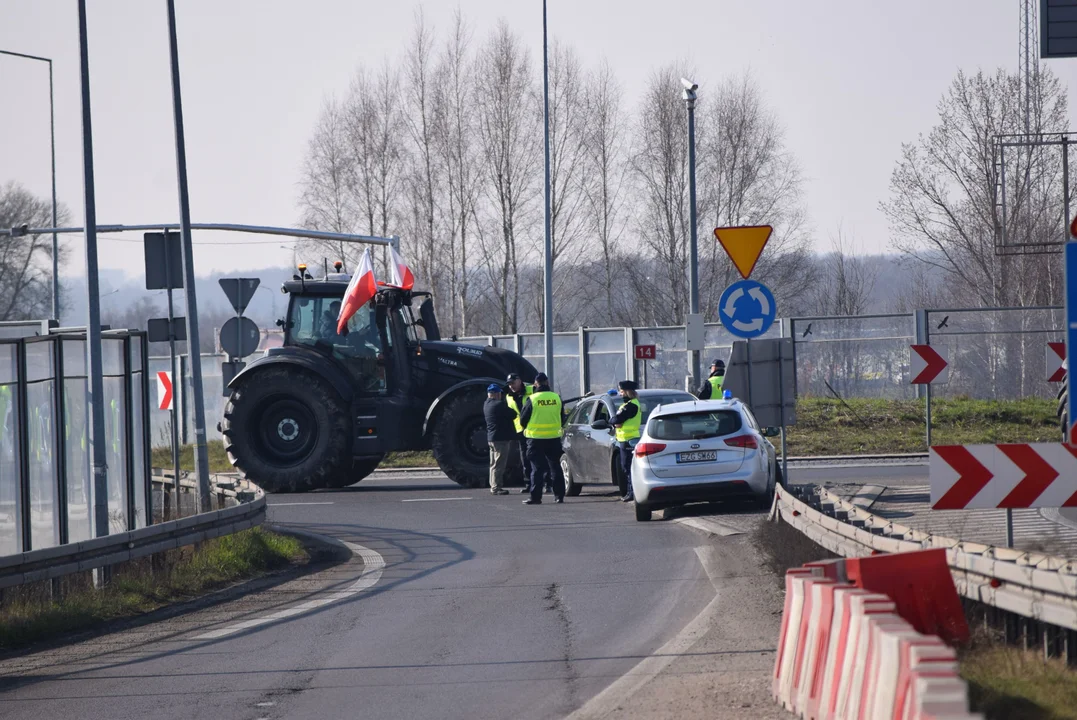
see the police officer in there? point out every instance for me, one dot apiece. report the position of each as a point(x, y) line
point(711, 389)
point(515, 395)
point(626, 424)
point(542, 418)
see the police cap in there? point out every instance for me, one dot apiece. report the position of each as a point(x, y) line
point(511, 377)
point(628, 385)
point(541, 378)
point(718, 363)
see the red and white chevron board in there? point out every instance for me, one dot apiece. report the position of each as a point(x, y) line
point(927, 366)
point(1023, 475)
point(1056, 355)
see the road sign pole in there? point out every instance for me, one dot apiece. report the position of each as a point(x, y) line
point(172, 368)
point(1070, 280)
point(201, 452)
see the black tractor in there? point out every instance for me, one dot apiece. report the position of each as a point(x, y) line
point(323, 410)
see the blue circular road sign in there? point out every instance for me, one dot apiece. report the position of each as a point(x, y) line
point(747, 308)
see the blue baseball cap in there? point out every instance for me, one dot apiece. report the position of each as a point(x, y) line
point(493, 387)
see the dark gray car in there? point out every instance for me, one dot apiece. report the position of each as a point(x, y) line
point(591, 456)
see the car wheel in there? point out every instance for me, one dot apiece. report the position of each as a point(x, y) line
point(643, 513)
point(572, 489)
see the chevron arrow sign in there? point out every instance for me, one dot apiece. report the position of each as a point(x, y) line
point(1021, 475)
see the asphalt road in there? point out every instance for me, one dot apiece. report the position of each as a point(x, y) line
point(879, 473)
point(486, 608)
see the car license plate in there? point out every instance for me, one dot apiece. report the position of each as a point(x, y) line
point(698, 456)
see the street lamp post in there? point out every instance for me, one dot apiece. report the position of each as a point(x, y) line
point(52, 143)
point(693, 252)
point(547, 275)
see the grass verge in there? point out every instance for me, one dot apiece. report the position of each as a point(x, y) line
point(28, 614)
point(1007, 683)
point(826, 426)
point(218, 459)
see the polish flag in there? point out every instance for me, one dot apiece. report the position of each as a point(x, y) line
point(360, 291)
point(400, 273)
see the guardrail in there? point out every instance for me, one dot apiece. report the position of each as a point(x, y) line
point(1029, 585)
point(55, 562)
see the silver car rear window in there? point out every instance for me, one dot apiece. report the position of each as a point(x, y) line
point(695, 425)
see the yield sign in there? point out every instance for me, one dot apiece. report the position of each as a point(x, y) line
point(928, 366)
point(1056, 358)
point(164, 390)
point(743, 245)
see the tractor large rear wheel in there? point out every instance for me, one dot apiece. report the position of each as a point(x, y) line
point(458, 439)
point(287, 430)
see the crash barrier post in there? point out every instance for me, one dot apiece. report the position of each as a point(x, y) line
point(848, 651)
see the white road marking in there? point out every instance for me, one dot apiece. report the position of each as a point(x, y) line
point(373, 565)
point(708, 526)
point(435, 499)
point(617, 695)
point(299, 503)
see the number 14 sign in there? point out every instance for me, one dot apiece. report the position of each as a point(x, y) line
point(646, 352)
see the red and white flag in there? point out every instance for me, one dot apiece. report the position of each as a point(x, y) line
point(400, 273)
point(360, 290)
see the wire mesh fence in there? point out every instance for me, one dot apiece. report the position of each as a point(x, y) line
point(994, 353)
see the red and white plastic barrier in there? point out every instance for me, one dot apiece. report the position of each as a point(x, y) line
point(847, 653)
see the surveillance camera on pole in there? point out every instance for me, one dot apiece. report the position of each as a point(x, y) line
point(689, 90)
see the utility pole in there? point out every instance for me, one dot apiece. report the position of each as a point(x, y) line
point(201, 452)
point(95, 402)
point(547, 275)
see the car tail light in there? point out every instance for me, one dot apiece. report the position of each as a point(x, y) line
point(645, 449)
point(743, 441)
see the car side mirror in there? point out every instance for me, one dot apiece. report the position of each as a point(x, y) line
point(600, 425)
point(771, 432)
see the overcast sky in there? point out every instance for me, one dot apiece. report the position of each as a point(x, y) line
point(850, 81)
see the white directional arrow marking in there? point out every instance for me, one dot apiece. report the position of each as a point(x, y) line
point(753, 326)
point(731, 301)
point(761, 299)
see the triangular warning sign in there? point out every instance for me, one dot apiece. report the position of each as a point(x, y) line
point(744, 245)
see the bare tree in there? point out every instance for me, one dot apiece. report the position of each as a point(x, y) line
point(660, 165)
point(946, 193)
point(506, 104)
point(456, 131)
point(845, 281)
point(327, 196)
point(374, 116)
point(421, 121)
point(605, 173)
point(26, 261)
point(748, 178)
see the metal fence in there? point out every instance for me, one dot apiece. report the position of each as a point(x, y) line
point(46, 494)
point(994, 353)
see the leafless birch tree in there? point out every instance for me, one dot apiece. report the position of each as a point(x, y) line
point(508, 118)
point(26, 261)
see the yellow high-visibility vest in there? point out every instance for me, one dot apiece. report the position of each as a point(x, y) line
point(528, 391)
point(545, 422)
point(629, 430)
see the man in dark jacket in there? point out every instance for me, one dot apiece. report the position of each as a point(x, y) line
point(711, 389)
point(500, 434)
